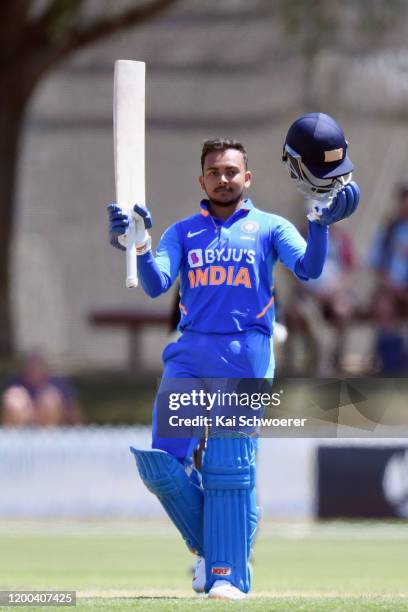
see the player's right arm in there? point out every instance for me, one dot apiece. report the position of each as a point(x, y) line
point(156, 273)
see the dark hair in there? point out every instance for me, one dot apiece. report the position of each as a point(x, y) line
point(222, 144)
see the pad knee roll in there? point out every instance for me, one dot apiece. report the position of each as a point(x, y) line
point(180, 496)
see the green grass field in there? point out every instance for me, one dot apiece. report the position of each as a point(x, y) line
point(144, 566)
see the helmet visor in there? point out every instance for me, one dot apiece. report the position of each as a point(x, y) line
point(307, 182)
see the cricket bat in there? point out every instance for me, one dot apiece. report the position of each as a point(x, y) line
point(129, 149)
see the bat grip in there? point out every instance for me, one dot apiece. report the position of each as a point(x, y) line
point(131, 257)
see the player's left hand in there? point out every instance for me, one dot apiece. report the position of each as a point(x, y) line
point(343, 205)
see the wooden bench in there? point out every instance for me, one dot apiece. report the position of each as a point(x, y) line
point(135, 321)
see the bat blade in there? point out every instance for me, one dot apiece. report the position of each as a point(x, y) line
point(129, 149)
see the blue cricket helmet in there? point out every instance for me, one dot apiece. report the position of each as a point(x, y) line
point(320, 142)
point(315, 152)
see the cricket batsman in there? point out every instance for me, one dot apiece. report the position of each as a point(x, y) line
point(225, 256)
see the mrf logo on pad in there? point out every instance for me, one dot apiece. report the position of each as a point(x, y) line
point(221, 571)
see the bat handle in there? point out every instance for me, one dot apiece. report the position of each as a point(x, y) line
point(131, 257)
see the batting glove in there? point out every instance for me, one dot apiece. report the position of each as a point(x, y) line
point(119, 223)
point(342, 206)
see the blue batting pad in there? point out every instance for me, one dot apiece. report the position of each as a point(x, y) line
point(179, 494)
point(230, 511)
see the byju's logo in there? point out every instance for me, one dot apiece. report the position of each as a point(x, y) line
point(195, 258)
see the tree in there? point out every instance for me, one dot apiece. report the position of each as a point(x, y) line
point(35, 38)
point(349, 27)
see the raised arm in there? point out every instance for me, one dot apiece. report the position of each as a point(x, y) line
point(306, 259)
point(310, 264)
point(156, 273)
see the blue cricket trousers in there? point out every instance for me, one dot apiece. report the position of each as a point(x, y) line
point(200, 356)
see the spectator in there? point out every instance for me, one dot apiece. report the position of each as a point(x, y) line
point(389, 348)
point(37, 398)
point(326, 301)
point(389, 258)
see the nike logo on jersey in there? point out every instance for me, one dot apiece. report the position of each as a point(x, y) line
point(191, 234)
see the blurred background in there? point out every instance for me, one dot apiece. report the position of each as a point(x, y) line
point(232, 68)
point(80, 355)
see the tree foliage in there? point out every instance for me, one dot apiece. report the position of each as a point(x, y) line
point(35, 36)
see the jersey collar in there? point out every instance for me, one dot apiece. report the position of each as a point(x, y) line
point(204, 204)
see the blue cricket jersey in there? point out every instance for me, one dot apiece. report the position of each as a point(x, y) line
point(226, 267)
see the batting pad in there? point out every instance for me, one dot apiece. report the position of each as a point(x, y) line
point(230, 512)
point(180, 496)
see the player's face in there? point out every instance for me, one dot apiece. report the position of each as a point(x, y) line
point(224, 177)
